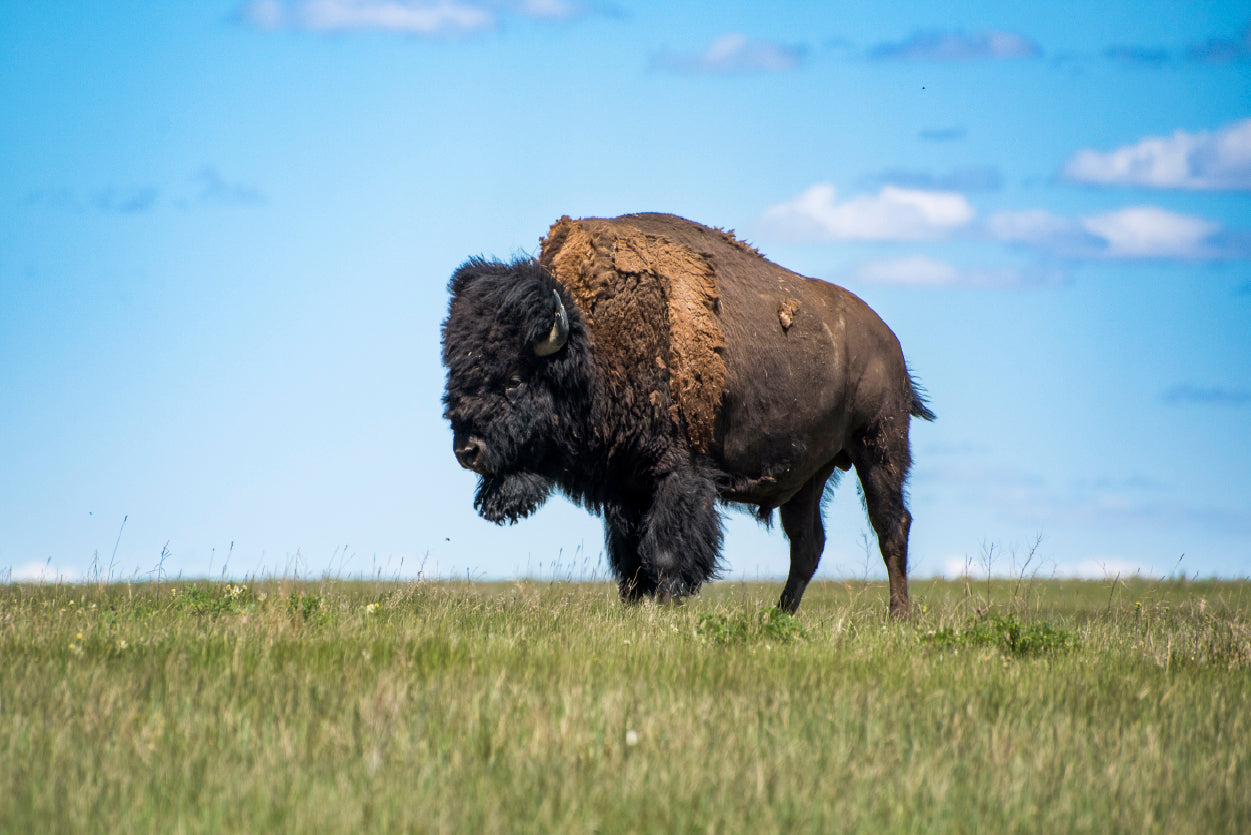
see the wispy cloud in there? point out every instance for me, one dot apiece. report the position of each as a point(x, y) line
point(263, 14)
point(733, 53)
point(1029, 499)
point(1216, 160)
point(1187, 393)
point(61, 199)
point(552, 9)
point(967, 179)
point(417, 18)
point(1035, 227)
point(923, 271)
point(941, 134)
point(215, 189)
point(208, 188)
point(429, 18)
point(957, 46)
point(909, 271)
point(1213, 51)
point(1008, 566)
point(1142, 56)
point(443, 17)
point(893, 214)
point(127, 200)
point(1221, 50)
point(1104, 568)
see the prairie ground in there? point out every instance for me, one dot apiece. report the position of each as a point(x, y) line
point(1035, 706)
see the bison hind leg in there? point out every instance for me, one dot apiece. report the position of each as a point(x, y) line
point(882, 460)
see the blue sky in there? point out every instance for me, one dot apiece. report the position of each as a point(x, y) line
point(228, 227)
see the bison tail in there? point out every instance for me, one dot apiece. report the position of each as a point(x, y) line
point(919, 407)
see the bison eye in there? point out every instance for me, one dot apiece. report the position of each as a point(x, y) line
point(513, 387)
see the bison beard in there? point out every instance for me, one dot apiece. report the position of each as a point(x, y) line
point(507, 498)
point(649, 368)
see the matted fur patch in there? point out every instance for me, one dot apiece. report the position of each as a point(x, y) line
point(652, 307)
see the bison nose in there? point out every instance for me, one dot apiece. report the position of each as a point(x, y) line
point(471, 454)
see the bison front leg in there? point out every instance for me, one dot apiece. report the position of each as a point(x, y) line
point(623, 529)
point(681, 540)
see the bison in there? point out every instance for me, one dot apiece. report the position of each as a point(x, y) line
point(651, 368)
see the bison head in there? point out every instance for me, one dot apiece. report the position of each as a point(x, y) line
point(511, 348)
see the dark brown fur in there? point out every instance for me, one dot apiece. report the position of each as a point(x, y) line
point(697, 370)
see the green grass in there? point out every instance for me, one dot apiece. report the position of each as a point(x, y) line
point(535, 707)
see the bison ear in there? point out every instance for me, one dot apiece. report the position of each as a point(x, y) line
point(559, 335)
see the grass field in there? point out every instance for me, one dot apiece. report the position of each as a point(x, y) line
point(1042, 706)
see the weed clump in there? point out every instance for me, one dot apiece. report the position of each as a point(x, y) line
point(228, 599)
point(306, 606)
point(749, 628)
point(1005, 632)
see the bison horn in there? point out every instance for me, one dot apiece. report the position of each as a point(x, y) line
point(559, 335)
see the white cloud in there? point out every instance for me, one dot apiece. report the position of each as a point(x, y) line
point(413, 17)
point(955, 568)
point(1104, 569)
point(1219, 160)
point(1096, 568)
point(896, 214)
point(393, 16)
point(957, 46)
point(893, 214)
point(551, 9)
point(1132, 232)
point(1000, 566)
point(42, 572)
point(1152, 232)
point(444, 17)
point(734, 53)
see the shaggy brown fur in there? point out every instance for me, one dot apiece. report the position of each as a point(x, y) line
point(651, 303)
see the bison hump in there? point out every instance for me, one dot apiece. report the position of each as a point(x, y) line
point(652, 303)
